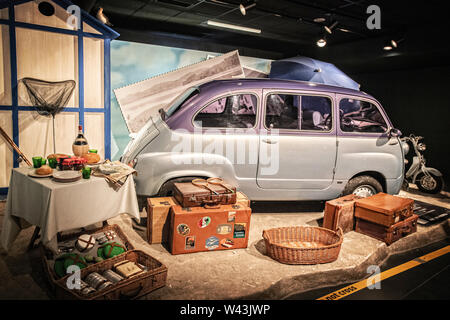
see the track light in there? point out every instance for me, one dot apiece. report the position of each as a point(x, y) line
point(244, 9)
point(330, 28)
point(322, 42)
point(232, 26)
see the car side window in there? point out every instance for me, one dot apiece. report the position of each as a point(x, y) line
point(360, 116)
point(298, 112)
point(235, 111)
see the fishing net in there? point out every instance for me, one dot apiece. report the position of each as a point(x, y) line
point(48, 98)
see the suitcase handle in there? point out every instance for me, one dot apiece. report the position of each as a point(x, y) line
point(219, 182)
point(211, 206)
point(202, 183)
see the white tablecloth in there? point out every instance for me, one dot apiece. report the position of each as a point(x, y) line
point(56, 207)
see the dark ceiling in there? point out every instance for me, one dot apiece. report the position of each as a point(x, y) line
point(288, 29)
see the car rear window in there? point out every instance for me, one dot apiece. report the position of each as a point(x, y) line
point(182, 100)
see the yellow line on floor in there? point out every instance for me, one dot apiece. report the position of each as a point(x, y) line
point(372, 280)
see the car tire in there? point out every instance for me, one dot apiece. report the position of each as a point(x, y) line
point(167, 187)
point(363, 186)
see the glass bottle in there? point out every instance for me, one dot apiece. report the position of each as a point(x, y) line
point(80, 146)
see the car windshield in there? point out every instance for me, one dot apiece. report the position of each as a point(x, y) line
point(181, 100)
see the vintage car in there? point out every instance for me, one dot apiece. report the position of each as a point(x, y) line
point(273, 139)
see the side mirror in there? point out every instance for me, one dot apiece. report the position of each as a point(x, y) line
point(163, 114)
point(394, 133)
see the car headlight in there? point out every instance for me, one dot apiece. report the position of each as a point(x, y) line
point(405, 147)
point(421, 147)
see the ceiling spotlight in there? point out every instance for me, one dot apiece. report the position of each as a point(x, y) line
point(330, 28)
point(244, 9)
point(319, 20)
point(387, 46)
point(322, 42)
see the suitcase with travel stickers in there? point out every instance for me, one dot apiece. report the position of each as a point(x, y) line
point(195, 229)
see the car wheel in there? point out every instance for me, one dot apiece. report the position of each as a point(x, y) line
point(166, 189)
point(363, 186)
point(429, 183)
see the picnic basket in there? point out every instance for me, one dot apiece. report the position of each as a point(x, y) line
point(303, 244)
point(127, 289)
point(47, 256)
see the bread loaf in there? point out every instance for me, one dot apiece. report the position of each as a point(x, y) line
point(44, 170)
point(91, 157)
point(57, 156)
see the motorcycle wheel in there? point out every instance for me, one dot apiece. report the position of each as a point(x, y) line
point(429, 183)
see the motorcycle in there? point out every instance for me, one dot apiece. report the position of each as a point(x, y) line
point(428, 180)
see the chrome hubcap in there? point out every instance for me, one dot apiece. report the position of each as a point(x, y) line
point(428, 182)
point(364, 191)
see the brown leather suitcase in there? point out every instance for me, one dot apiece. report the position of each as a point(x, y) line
point(201, 192)
point(195, 229)
point(384, 209)
point(158, 218)
point(340, 213)
point(387, 234)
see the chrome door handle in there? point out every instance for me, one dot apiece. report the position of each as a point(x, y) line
point(269, 141)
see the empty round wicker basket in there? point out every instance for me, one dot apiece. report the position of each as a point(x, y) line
point(303, 245)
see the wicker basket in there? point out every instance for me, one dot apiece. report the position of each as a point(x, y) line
point(303, 245)
point(47, 255)
point(127, 289)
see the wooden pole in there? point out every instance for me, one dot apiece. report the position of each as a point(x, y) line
point(15, 147)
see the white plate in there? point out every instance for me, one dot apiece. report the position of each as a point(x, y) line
point(35, 175)
point(66, 175)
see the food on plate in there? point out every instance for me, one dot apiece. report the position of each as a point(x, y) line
point(44, 170)
point(91, 158)
point(57, 156)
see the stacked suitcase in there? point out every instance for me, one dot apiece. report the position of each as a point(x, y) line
point(200, 218)
point(385, 217)
point(339, 213)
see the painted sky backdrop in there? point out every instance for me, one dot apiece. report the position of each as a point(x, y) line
point(132, 62)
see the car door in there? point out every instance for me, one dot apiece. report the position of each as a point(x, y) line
point(364, 144)
point(297, 140)
point(227, 128)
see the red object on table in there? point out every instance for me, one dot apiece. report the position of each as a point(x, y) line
point(76, 163)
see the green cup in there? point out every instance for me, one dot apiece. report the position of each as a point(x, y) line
point(37, 162)
point(43, 161)
point(52, 162)
point(86, 172)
